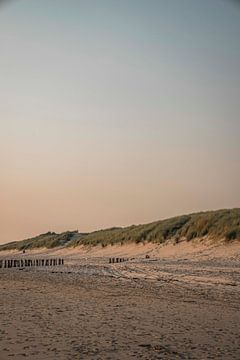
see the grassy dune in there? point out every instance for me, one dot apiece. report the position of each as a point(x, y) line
point(216, 225)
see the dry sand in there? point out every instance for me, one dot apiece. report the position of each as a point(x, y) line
point(181, 303)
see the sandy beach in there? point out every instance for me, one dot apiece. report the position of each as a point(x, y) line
point(183, 306)
point(120, 196)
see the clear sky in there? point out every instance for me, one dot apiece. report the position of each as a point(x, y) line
point(116, 112)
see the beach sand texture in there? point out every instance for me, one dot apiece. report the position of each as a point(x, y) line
point(181, 305)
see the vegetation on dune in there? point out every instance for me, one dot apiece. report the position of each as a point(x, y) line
point(222, 224)
point(48, 240)
point(216, 225)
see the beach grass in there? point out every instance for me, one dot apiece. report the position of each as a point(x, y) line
point(215, 225)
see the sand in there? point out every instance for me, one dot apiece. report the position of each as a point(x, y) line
point(181, 303)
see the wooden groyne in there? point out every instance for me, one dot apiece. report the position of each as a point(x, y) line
point(117, 260)
point(21, 263)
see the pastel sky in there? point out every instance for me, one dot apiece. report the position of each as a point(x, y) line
point(116, 112)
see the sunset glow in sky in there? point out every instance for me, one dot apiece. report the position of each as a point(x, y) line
point(116, 112)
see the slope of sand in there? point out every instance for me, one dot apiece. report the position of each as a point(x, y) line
point(198, 248)
point(181, 303)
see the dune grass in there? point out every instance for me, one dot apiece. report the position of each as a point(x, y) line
point(215, 225)
point(222, 224)
point(48, 240)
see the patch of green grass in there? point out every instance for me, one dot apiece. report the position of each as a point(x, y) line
point(48, 240)
point(216, 225)
point(221, 224)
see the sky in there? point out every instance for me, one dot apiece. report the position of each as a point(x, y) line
point(116, 112)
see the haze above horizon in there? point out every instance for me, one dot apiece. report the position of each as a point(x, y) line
point(116, 113)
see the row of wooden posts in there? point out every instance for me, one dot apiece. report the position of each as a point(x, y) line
point(6, 263)
point(117, 260)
